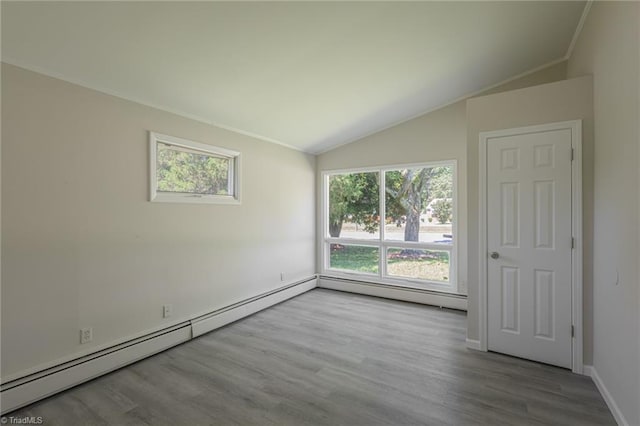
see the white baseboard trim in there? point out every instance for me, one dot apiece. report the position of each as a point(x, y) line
point(474, 344)
point(589, 370)
point(425, 297)
point(33, 387)
point(222, 317)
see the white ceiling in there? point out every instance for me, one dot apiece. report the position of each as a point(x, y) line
point(311, 75)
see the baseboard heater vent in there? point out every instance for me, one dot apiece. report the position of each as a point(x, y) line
point(227, 315)
point(33, 387)
point(24, 391)
point(396, 292)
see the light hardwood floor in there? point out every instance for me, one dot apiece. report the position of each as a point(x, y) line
point(332, 358)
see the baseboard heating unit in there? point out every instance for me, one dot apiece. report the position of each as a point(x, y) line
point(18, 392)
point(395, 292)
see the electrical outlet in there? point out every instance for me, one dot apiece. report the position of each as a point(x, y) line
point(167, 310)
point(281, 276)
point(86, 335)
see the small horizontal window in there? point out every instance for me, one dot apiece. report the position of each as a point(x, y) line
point(184, 171)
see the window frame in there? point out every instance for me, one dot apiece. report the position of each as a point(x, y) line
point(234, 158)
point(382, 277)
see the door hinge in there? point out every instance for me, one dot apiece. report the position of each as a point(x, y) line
point(573, 331)
point(571, 154)
point(573, 243)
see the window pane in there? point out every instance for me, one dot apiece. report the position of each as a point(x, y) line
point(354, 258)
point(192, 172)
point(419, 204)
point(432, 265)
point(354, 205)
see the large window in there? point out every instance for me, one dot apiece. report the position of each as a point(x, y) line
point(191, 172)
point(392, 224)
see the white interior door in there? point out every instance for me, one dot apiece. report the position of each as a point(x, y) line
point(529, 245)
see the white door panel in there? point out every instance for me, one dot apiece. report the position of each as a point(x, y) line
point(529, 232)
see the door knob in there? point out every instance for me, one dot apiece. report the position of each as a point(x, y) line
point(495, 255)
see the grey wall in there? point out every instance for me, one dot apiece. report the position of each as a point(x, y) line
point(609, 49)
point(83, 247)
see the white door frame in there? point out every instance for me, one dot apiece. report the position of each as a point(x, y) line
point(576, 224)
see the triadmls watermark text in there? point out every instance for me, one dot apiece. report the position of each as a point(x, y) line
point(22, 420)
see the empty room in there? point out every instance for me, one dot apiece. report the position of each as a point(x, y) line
point(320, 213)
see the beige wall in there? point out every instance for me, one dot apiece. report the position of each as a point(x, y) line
point(438, 135)
point(548, 103)
point(82, 246)
point(549, 74)
point(433, 137)
point(608, 48)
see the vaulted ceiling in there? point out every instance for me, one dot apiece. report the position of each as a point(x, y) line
point(310, 75)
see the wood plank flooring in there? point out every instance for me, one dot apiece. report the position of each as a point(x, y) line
point(332, 358)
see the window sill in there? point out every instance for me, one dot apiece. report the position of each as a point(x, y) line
point(195, 199)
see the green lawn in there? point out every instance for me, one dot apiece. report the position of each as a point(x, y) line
point(420, 264)
point(354, 258)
